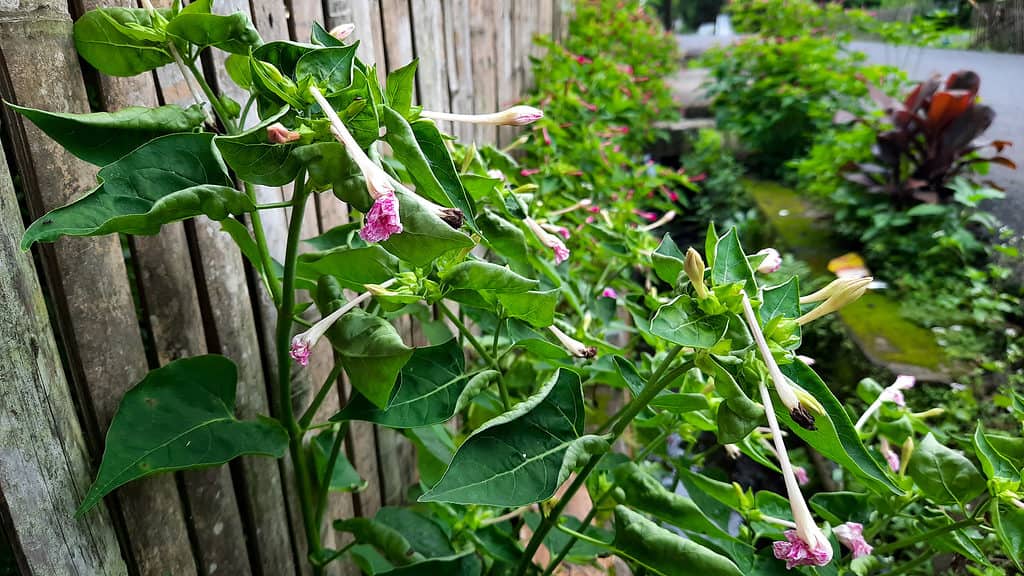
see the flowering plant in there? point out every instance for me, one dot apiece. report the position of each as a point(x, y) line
point(704, 348)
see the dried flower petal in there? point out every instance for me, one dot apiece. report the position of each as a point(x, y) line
point(851, 535)
point(278, 134)
point(382, 220)
point(796, 552)
point(300, 350)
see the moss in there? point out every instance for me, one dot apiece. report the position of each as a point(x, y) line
point(874, 322)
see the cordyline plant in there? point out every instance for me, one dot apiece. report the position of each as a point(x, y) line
point(709, 348)
point(928, 140)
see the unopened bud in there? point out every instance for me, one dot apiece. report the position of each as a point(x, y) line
point(278, 134)
point(844, 294)
point(694, 267)
point(771, 261)
point(905, 454)
point(573, 346)
point(343, 31)
point(930, 413)
point(514, 116)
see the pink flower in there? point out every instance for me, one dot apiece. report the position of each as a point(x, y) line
point(529, 171)
point(851, 536)
point(547, 137)
point(610, 293)
point(548, 240)
point(563, 232)
point(891, 457)
point(896, 396)
point(796, 552)
point(771, 262)
point(649, 216)
point(801, 475)
point(300, 351)
point(588, 105)
point(278, 134)
point(382, 220)
point(561, 252)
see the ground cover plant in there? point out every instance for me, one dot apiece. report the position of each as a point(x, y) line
point(561, 286)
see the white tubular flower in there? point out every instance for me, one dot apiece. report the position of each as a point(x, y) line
point(665, 219)
point(694, 267)
point(514, 116)
point(893, 393)
point(783, 386)
point(581, 204)
point(573, 346)
point(845, 292)
point(302, 344)
point(342, 31)
point(549, 240)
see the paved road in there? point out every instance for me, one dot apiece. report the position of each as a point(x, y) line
point(1002, 87)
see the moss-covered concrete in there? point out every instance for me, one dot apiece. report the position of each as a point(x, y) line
point(874, 322)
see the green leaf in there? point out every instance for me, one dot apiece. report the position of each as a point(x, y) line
point(1000, 471)
point(835, 438)
point(240, 234)
point(434, 449)
point(781, 301)
point(463, 564)
point(344, 477)
point(680, 403)
point(730, 263)
point(169, 179)
point(357, 106)
point(944, 475)
point(425, 236)
point(320, 35)
point(233, 33)
point(400, 88)
point(442, 166)
point(180, 416)
point(283, 54)
point(506, 239)
point(352, 267)
point(104, 137)
point(733, 427)
point(1009, 525)
point(329, 68)
point(581, 552)
point(431, 388)
point(121, 41)
point(239, 70)
point(371, 350)
point(255, 159)
point(669, 261)
point(385, 539)
point(523, 455)
point(486, 277)
point(663, 552)
point(535, 307)
point(839, 507)
point(681, 322)
point(329, 165)
point(425, 535)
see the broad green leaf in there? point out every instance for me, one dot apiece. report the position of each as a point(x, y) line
point(372, 352)
point(535, 307)
point(385, 539)
point(103, 137)
point(680, 403)
point(320, 35)
point(943, 474)
point(506, 239)
point(330, 166)
point(631, 377)
point(255, 159)
point(341, 236)
point(329, 68)
point(1009, 525)
point(240, 234)
point(663, 552)
point(357, 106)
point(434, 450)
point(273, 87)
point(283, 54)
point(733, 427)
point(431, 388)
point(999, 470)
point(731, 263)
point(435, 149)
point(369, 560)
point(233, 33)
point(425, 535)
point(486, 277)
point(839, 507)
point(669, 261)
point(239, 70)
point(180, 416)
point(681, 322)
point(344, 477)
point(523, 455)
point(728, 388)
point(835, 438)
point(522, 335)
point(171, 178)
point(463, 564)
point(352, 267)
point(121, 41)
point(400, 88)
point(425, 235)
point(421, 150)
point(781, 301)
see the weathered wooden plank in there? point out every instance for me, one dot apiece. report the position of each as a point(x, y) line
point(429, 45)
point(44, 461)
point(483, 26)
point(303, 13)
point(459, 56)
point(86, 276)
point(563, 16)
point(507, 89)
point(526, 15)
point(397, 33)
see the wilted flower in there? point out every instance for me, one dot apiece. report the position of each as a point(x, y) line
point(573, 346)
point(278, 134)
point(797, 552)
point(892, 393)
point(851, 535)
point(548, 240)
point(609, 293)
point(514, 116)
point(342, 31)
point(302, 344)
point(382, 220)
point(771, 262)
point(732, 451)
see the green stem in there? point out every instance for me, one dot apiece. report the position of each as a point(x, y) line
point(284, 363)
point(580, 536)
point(321, 395)
point(911, 540)
point(272, 205)
point(335, 555)
point(675, 373)
point(215, 102)
point(585, 523)
point(625, 417)
point(907, 567)
point(464, 330)
point(245, 109)
point(325, 482)
point(261, 242)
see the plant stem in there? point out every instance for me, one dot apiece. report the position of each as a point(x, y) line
point(580, 536)
point(325, 483)
point(911, 540)
point(261, 242)
point(284, 363)
point(272, 205)
point(321, 395)
point(218, 108)
point(622, 421)
point(671, 376)
point(506, 401)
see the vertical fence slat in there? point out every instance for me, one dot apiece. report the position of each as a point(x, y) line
point(396, 33)
point(459, 55)
point(507, 90)
point(88, 276)
point(428, 17)
point(484, 30)
point(44, 462)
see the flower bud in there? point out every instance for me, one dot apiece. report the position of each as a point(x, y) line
point(550, 241)
point(851, 535)
point(905, 453)
point(302, 344)
point(342, 31)
point(278, 134)
point(573, 346)
point(771, 261)
point(732, 451)
point(694, 266)
point(514, 116)
point(841, 296)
